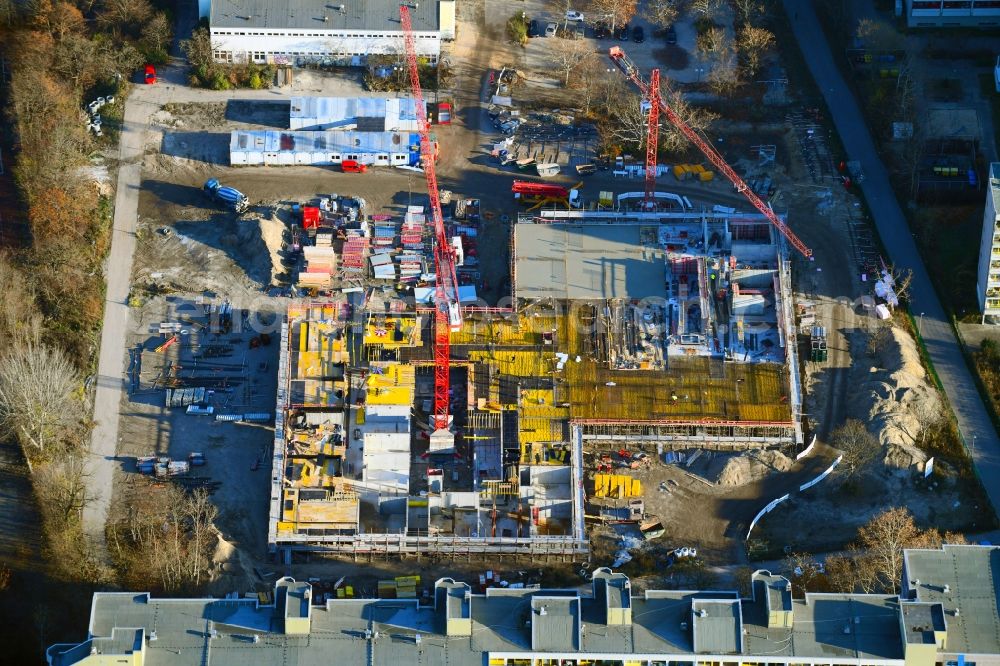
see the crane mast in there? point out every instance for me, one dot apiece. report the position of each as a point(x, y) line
point(627, 67)
point(652, 136)
point(447, 311)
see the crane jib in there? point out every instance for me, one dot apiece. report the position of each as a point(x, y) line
point(621, 61)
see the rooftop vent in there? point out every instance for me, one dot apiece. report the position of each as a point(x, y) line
point(543, 611)
point(857, 619)
point(847, 629)
point(684, 626)
point(702, 613)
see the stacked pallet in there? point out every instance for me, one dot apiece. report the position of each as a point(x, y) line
point(384, 236)
point(320, 263)
point(352, 258)
point(412, 233)
point(411, 265)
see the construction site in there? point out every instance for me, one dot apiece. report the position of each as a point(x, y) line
point(412, 418)
point(467, 356)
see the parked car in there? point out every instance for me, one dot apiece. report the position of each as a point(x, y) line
point(602, 30)
point(638, 34)
point(622, 33)
point(671, 34)
point(573, 15)
point(150, 76)
point(550, 30)
point(353, 166)
point(533, 28)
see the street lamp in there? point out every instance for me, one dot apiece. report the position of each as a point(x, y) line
point(920, 325)
point(974, 445)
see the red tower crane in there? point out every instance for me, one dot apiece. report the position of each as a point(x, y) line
point(652, 136)
point(447, 311)
point(632, 72)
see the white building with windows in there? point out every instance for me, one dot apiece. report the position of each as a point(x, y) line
point(988, 279)
point(335, 32)
point(952, 13)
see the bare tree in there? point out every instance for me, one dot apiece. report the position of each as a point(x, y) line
point(662, 12)
point(697, 118)
point(708, 8)
point(857, 444)
point(628, 123)
point(804, 572)
point(840, 573)
point(569, 55)
point(711, 41)
point(615, 12)
point(63, 488)
point(20, 320)
point(877, 333)
point(157, 31)
point(724, 78)
point(753, 44)
point(40, 400)
point(121, 16)
point(743, 579)
point(748, 11)
point(883, 539)
point(879, 35)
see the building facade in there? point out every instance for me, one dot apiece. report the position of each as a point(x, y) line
point(302, 32)
point(988, 279)
point(946, 616)
point(952, 13)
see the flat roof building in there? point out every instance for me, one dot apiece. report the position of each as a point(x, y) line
point(948, 615)
point(952, 13)
point(299, 32)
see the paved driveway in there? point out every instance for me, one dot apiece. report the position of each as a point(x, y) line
point(943, 347)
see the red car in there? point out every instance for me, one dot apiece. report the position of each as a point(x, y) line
point(150, 75)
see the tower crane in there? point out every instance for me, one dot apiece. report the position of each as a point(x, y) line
point(627, 67)
point(447, 310)
point(652, 136)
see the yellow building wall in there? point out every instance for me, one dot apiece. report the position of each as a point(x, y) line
point(619, 616)
point(920, 655)
point(297, 626)
point(459, 626)
point(780, 619)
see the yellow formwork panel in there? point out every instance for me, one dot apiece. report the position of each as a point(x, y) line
point(517, 363)
point(617, 486)
point(690, 388)
point(395, 386)
point(383, 331)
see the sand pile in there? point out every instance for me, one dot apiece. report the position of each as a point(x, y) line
point(753, 466)
point(896, 400)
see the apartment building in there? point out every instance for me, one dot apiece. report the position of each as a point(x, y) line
point(342, 32)
point(946, 615)
point(988, 279)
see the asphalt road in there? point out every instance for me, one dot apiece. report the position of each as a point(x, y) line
point(939, 337)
